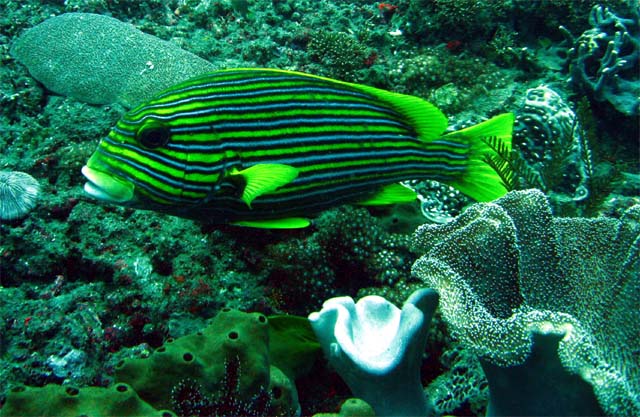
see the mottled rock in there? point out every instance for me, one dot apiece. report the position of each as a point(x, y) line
point(101, 60)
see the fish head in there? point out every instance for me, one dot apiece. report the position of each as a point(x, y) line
point(140, 164)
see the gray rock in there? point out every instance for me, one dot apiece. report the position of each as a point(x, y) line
point(100, 60)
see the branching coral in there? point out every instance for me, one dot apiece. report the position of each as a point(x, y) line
point(548, 304)
point(604, 60)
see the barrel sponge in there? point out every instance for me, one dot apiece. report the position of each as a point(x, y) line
point(202, 357)
point(101, 60)
point(58, 400)
point(549, 305)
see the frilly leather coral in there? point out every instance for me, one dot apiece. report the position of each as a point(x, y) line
point(549, 305)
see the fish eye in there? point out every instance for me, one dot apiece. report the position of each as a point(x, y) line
point(153, 136)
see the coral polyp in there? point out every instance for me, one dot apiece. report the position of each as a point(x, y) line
point(18, 194)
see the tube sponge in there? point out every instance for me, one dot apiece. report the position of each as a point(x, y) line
point(377, 348)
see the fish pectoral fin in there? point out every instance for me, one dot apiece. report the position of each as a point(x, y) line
point(263, 178)
point(286, 223)
point(390, 194)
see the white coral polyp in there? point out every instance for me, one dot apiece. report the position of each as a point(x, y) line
point(368, 331)
point(377, 348)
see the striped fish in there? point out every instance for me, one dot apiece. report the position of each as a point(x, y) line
point(268, 148)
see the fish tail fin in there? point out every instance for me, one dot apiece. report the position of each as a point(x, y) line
point(480, 180)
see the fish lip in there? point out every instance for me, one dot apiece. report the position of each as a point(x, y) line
point(104, 186)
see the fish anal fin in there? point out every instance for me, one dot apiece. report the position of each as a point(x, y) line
point(390, 194)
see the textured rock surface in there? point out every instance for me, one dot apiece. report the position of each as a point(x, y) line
point(101, 60)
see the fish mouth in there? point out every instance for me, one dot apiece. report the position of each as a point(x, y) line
point(105, 187)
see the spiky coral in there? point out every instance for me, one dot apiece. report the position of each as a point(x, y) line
point(190, 399)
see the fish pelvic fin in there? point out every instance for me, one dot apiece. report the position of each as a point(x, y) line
point(286, 223)
point(480, 181)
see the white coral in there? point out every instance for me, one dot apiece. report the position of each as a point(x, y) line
point(18, 194)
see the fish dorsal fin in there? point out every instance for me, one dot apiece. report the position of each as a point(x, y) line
point(390, 194)
point(287, 223)
point(427, 120)
point(264, 178)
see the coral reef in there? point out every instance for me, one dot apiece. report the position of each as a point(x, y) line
point(462, 386)
point(604, 60)
point(451, 83)
point(545, 303)
point(339, 52)
point(229, 368)
point(440, 19)
point(549, 137)
point(351, 249)
point(85, 286)
point(439, 203)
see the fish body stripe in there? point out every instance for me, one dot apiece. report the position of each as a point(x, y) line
point(344, 142)
point(217, 84)
point(189, 144)
point(264, 96)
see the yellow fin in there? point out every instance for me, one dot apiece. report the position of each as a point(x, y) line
point(390, 194)
point(480, 181)
point(287, 223)
point(427, 120)
point(263, 178)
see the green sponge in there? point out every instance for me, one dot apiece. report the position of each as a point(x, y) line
point(202, 356)
point(62, 401)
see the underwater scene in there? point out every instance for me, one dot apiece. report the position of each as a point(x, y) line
point(319, 208)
